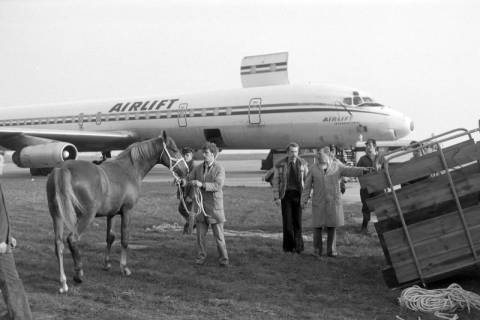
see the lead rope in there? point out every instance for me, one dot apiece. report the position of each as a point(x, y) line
point(441, 302)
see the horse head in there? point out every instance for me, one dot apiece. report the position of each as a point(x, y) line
point(172, 158)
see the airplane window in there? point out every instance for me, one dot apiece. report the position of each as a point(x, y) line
point(347, 101)
point(28, 122)
point(357, 100)
point(369, 102)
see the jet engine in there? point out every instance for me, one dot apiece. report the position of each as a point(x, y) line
point(45, 155)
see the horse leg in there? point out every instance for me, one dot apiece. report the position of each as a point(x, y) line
point(125, 234)
point(58, 229)
point(77, 260)
point(72, 239)
point(110, 239)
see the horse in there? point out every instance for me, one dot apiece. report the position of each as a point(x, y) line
point(78, 191)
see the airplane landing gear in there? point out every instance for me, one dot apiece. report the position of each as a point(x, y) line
point(105, 155)
point(40, 172)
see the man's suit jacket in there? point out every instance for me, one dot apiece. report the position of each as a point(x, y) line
point(212, 193)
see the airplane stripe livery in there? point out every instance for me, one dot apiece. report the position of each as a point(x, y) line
point(161, 114)
point(267, 116)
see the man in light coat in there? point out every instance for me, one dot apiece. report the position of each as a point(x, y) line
point(327, 208)
point(210, 177)
point(288, 182)
point(11, 285)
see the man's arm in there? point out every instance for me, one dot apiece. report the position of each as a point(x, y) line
point(219, 180)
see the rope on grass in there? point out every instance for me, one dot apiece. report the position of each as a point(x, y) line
point(439, 301)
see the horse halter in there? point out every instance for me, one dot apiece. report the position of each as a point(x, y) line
point(173, 160)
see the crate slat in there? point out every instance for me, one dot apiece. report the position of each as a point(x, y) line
point(455, 155)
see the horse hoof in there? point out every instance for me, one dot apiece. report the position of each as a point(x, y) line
point(107, 266)
point(77, 279)
point(63, 289)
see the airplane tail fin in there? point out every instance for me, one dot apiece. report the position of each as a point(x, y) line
point(264, 70)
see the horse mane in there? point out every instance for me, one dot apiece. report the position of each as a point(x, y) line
point(146, 149)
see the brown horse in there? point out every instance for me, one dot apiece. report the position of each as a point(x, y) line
point(79, 191)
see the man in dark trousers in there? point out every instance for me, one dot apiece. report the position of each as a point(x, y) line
point(187, 154)
point(372, 160)
point(288, 182)
point(10, 283)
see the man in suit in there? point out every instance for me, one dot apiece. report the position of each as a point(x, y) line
point(10, 283)
point(288, 182)
point(210, 177)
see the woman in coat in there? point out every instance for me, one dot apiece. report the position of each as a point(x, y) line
point(327, 209)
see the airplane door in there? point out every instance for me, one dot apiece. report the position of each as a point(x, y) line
point(255, 111)
point(182, 114)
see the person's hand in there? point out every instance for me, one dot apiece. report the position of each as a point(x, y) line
point(196, 183)
point(368, 170)
point(277, 202)
point(342, 188)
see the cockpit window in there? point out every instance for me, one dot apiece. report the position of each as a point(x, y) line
point(356, 100)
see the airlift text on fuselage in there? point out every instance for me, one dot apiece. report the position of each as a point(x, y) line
point(338, 118)
point(143, 105)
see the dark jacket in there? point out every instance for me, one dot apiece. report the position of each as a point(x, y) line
point(280, 176)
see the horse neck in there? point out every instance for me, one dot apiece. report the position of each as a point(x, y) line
point(144, 166)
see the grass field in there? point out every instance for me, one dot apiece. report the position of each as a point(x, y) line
point(263, 283)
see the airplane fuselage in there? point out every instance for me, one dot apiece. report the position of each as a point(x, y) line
point(248, 118)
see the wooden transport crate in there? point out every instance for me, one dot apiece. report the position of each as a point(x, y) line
point(429, 213)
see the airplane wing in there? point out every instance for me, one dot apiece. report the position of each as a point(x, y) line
point(18, 137)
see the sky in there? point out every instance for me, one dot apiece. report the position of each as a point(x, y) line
point(421, 58)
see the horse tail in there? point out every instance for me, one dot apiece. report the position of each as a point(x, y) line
point(65, 198)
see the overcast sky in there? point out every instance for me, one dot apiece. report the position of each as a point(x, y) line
point(419, 57)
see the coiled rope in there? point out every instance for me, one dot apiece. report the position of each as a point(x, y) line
point(439, 301)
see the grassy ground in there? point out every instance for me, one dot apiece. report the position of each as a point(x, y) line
point(263, 283)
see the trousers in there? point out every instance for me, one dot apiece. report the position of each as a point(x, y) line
point(292, 222)
point(219, 237)
point(331, 240)
point(12, 289)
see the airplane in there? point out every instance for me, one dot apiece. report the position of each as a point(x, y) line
point(266, 113)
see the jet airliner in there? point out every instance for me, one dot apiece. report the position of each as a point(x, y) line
point(266, 113)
